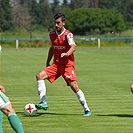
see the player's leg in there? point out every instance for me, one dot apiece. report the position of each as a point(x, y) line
point(13, 118)
point(81, 97)
point(8, 110)
point(1, 120)
point(70, 77)
point(40, 77)
point(51, 74)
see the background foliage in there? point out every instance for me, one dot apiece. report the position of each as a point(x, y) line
point(95, 20)
point(84, 17)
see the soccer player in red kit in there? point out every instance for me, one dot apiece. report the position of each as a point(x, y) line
point(62, 49)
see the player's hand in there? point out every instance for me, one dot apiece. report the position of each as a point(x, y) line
point(2, 88)
point(64, 55)
point(131, 87)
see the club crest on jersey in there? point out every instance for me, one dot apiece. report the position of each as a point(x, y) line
point(63, 38)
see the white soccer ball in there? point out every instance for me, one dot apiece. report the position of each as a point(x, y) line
point(30, 109)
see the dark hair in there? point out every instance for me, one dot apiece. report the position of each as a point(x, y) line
point(59, 15)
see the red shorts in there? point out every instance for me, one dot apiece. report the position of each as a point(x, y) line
point(56, 70)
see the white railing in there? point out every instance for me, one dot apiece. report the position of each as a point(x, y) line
point(85, 39)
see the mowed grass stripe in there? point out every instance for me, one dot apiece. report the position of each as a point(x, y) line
point(104, 76)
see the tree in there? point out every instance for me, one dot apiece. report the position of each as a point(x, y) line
point(20, 14)
point(94, 3)
point(95, 20)
point(65, 7)
point(127, 10)
point(55, 6)
point(5, 15)
point(74, 4)
point(125, 7)
point(41, 14)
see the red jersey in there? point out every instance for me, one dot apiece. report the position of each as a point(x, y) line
point(61, 44)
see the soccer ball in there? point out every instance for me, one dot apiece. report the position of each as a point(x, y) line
point(30, 109)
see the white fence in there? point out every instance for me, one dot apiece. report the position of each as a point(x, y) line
point(85, 39)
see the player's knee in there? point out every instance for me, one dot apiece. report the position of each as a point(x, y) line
point(8, 110)
point(74, 86)
point(41, 76)
point(38, 76)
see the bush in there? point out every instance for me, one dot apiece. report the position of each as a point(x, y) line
point(95, 20)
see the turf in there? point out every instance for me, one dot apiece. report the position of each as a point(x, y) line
point(104, 76)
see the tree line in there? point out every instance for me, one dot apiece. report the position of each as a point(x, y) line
point(83, 17)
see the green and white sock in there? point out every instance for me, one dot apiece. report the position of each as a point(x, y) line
point(1, 120)
point(15, 123)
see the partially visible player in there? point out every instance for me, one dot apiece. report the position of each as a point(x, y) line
point(131, 88)
point(62, 49)
point(7, 109)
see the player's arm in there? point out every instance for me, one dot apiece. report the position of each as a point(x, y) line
point(2, 88)
point(50, 55)
point(72, 45)
point(70, 51)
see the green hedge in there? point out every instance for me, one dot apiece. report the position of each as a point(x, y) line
point(40, 43)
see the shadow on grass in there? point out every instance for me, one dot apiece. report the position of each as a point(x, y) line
point(117, 115)
point(48, 113)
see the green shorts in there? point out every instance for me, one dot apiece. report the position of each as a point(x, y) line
point(4, 100)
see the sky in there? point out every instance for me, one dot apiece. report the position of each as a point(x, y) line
point(52, 1)
point(59, 0)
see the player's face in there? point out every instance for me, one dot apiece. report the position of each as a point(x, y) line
point(59, 25)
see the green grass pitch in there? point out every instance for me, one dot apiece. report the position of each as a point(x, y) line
point(104, 76)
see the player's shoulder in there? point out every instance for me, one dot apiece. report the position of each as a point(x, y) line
point(52, 32)
point(69, 33)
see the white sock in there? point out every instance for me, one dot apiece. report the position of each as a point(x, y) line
point(82, 100)
point(42, 90)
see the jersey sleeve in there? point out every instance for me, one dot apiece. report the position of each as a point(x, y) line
point(70, 39)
